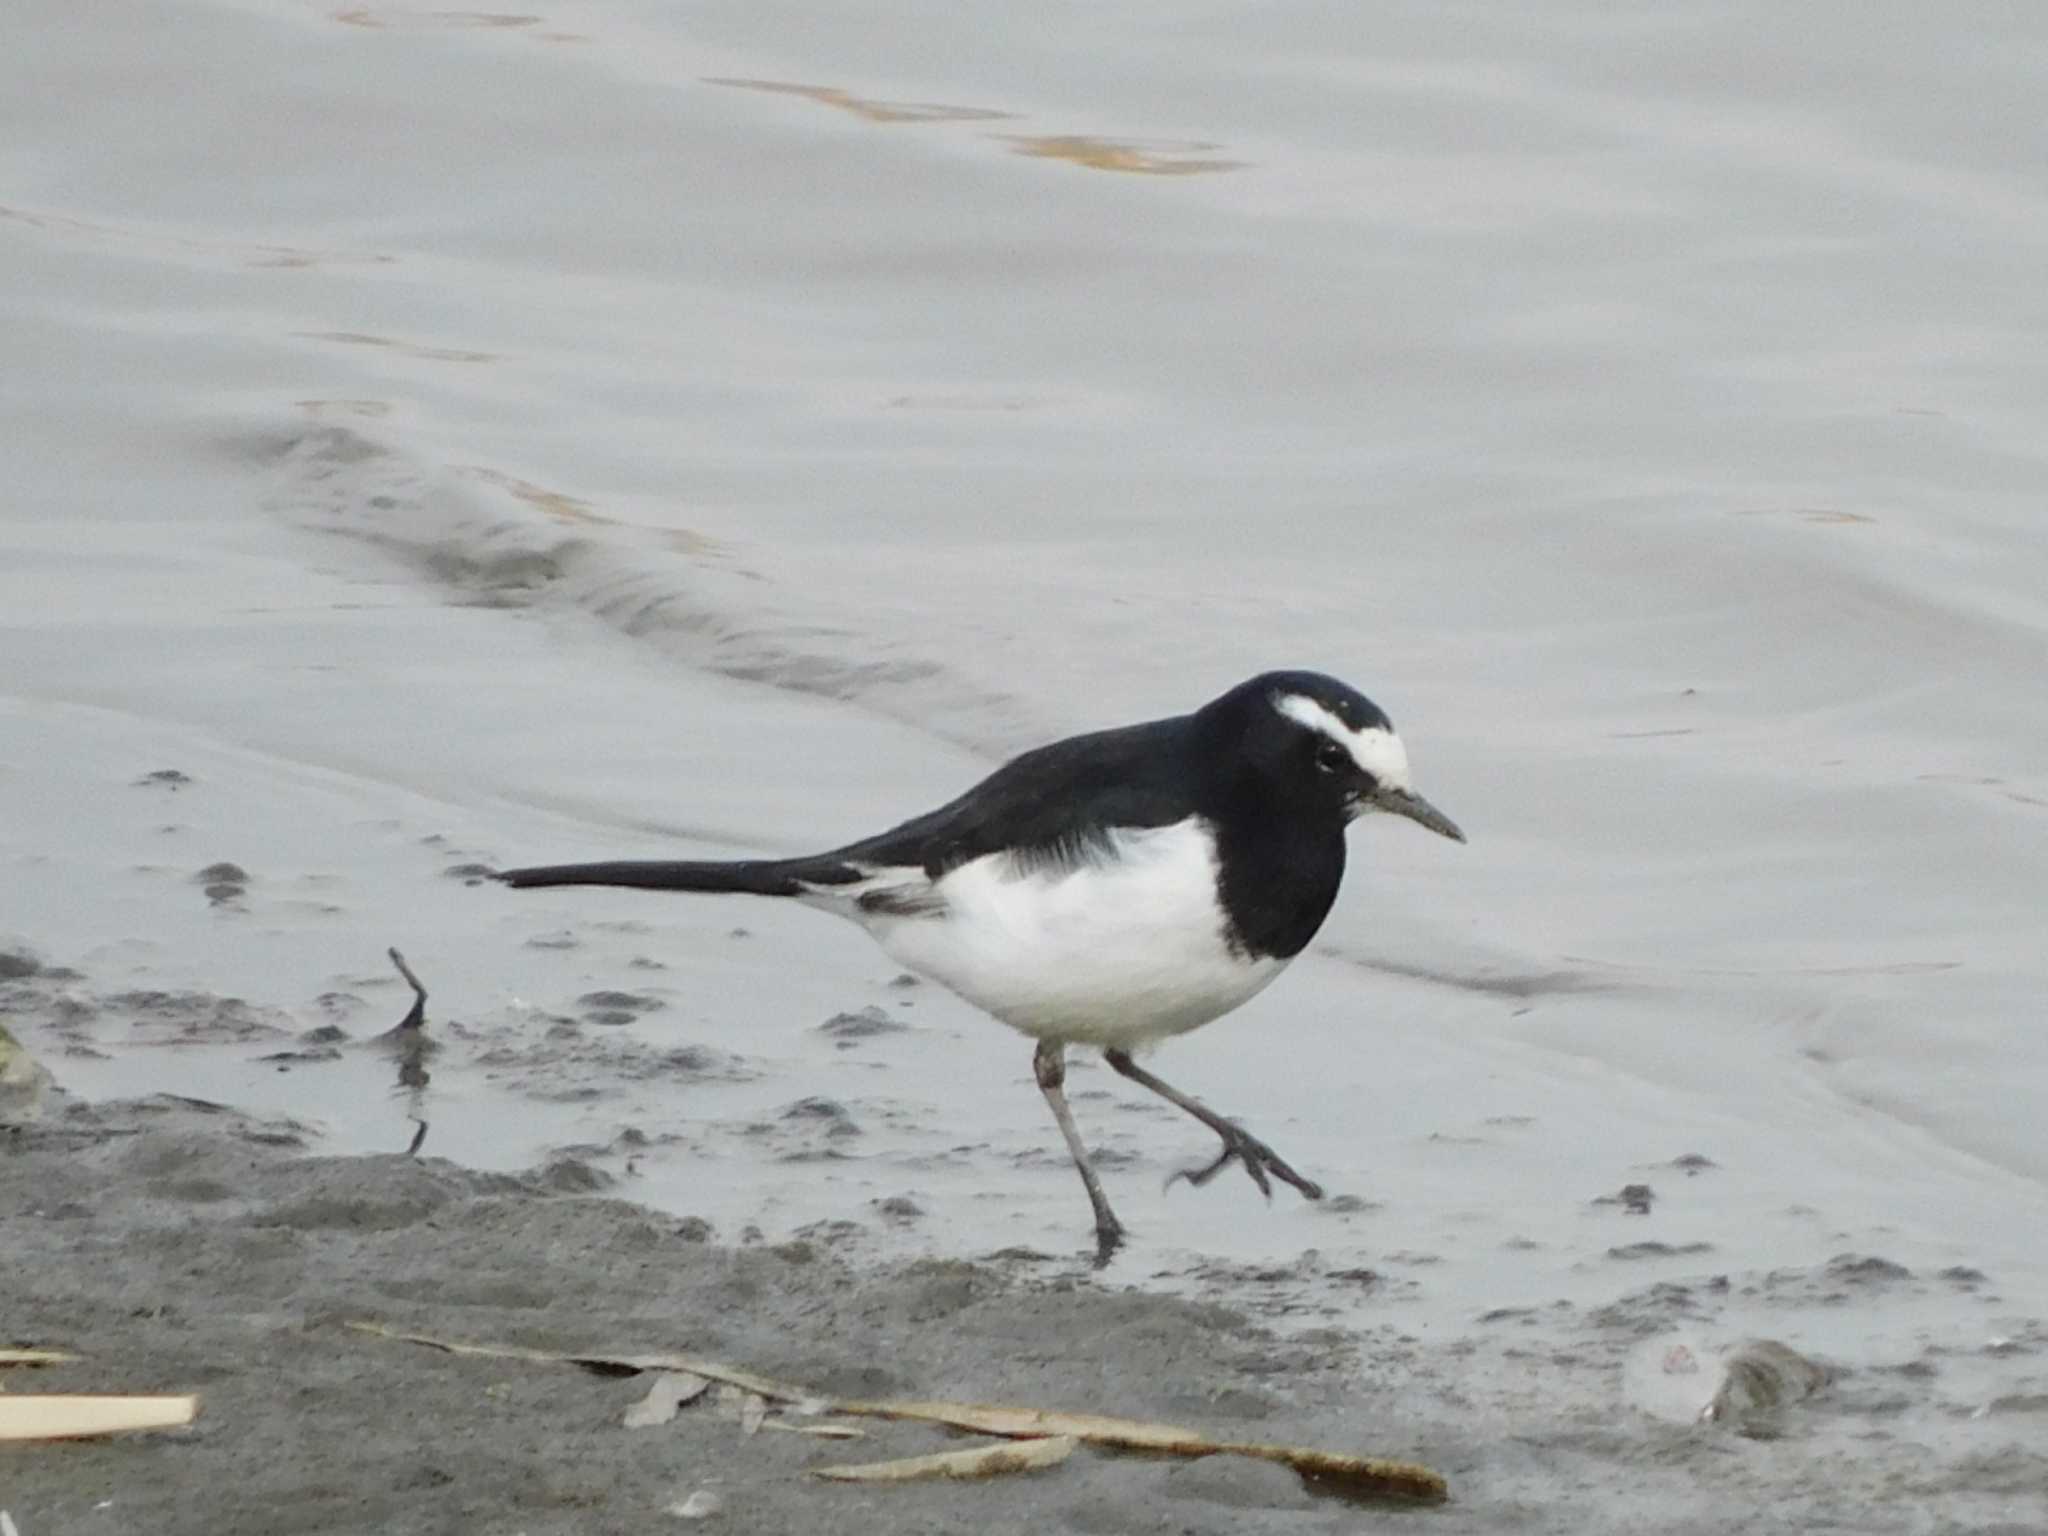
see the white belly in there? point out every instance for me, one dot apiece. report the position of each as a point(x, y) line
point(1110, 953)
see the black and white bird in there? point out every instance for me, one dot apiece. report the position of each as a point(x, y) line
point(1112, 889)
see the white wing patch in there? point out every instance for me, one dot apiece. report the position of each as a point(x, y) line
point(884, 890)
point(1379, 752)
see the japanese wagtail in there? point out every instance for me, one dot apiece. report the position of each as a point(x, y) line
point(1112, 889)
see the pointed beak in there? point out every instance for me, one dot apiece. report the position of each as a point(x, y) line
point(1405, 802)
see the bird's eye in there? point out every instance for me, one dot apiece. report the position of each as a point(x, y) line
point(1332, 758)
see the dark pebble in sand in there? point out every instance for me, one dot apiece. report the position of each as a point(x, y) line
point(469, 874)
point(1635, 1199)
point(2019, 1402)
point(1690, 1163)
point(695, 1229)
point(905, 979)
point(306, 1057)
point(609, 1007)
point(223, 883)
point(1866, 1269)
point(1656, 1250)
point(864, 1025)
point(899, 1208)
point(164, 778)
point(18, 962)
point(557, 940)
point(828, 1114)
point(702, 1061)
point(325, 1034)
point(1964, 1275)
point(1922, 1369)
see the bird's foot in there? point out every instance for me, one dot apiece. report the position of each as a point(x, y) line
point(1258, 1160)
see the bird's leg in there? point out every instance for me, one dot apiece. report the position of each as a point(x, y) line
point(1050, 1065)
point(1238, 1144)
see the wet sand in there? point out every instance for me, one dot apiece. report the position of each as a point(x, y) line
point(182, 1247)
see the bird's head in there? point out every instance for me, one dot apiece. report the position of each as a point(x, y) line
point(1324, 747)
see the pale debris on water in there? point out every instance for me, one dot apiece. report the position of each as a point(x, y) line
point(986, 1461)
point(670, 1391)
point(23, 1082)
point(69, 1416)
point(1746, 1387)
point(1759, 1381)
point(34, 1357)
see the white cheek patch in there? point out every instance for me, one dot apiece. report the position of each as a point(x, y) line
point(1379, 752)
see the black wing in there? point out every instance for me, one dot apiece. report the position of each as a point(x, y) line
point(1054, 807)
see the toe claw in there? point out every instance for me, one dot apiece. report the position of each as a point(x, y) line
point(1259, 1161)
point(1202, 1175)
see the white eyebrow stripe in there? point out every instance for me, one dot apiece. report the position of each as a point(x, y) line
point(1379, 752)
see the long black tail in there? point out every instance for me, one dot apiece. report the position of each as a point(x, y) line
point(750, 877)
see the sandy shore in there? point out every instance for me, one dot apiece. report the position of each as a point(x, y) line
point(177, 1246)
point(182, 1248)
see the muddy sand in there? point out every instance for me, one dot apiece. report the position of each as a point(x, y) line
point(179, 1246)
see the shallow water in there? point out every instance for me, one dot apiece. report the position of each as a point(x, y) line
point(521, 437)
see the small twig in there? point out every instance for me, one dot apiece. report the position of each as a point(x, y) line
point(416, 1017)
point(409, 1039)
point(34, 1357)
point(1356, 1477)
